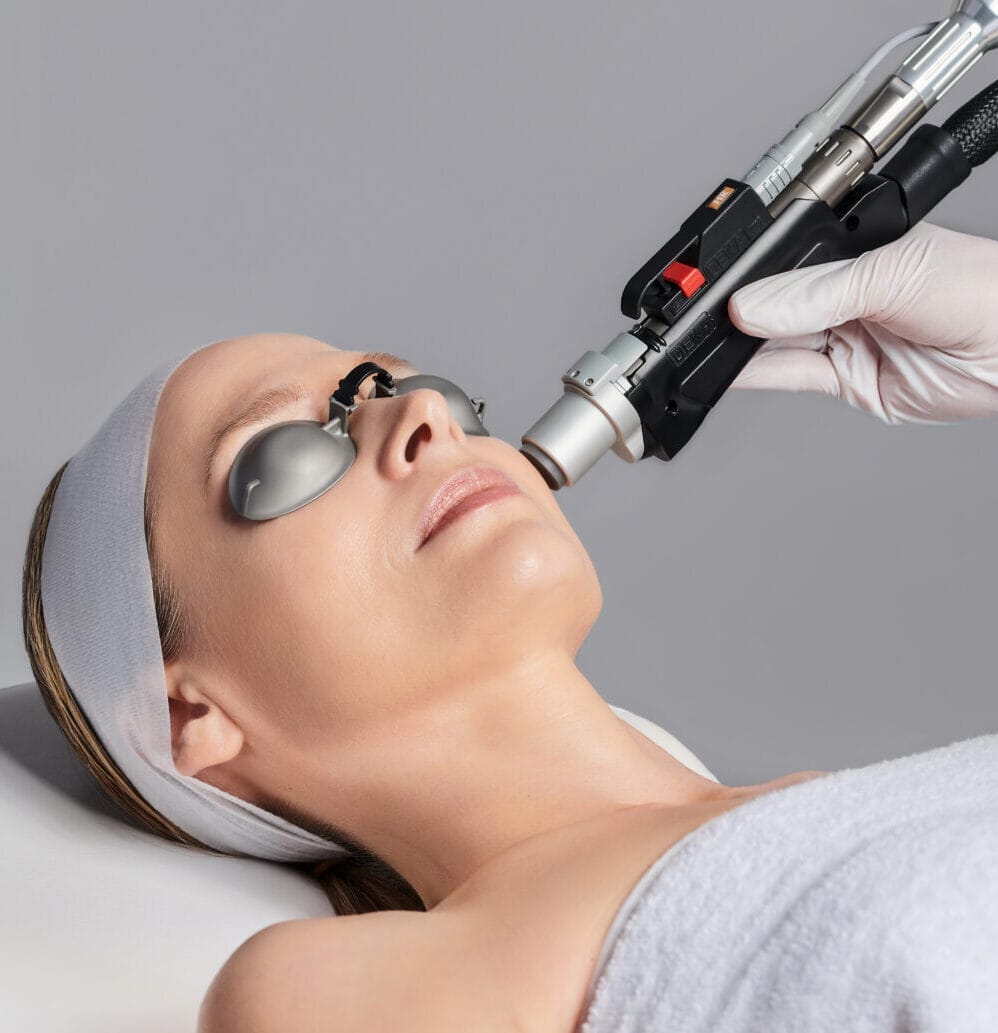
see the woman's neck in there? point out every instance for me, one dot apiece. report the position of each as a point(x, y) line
point(503, 761)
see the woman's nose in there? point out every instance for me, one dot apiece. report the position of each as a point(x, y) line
point(406, 429)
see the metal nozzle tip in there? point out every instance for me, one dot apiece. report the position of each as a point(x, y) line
point(553, 476)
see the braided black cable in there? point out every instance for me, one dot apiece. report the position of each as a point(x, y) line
point(975, 126)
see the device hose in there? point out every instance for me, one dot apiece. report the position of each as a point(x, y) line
point(974, 126)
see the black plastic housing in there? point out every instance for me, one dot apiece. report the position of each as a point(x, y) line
point(927, 168)
point(693, 362)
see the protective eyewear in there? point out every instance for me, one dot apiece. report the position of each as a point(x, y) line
point(287, 465)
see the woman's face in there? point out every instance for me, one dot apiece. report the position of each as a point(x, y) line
point(323, 624)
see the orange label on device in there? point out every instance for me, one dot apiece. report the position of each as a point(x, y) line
point(722, 195)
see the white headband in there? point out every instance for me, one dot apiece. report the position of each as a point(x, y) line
point(98, 603)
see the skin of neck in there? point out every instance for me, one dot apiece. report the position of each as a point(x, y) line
point(447, 793)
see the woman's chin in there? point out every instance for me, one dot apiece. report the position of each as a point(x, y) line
point(523, 571)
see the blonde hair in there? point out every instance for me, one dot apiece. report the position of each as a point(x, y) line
point(355, 884)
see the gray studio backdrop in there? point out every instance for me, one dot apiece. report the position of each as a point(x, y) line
point(470, 185)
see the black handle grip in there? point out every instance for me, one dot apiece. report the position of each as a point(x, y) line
point(693, 362)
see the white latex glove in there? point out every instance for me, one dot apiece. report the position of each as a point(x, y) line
point(908, 332)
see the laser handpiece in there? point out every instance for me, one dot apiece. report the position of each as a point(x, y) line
point(647, 392)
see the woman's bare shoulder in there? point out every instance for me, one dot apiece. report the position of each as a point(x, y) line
point(384, 970)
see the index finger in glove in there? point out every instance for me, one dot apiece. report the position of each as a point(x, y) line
point(925, 287)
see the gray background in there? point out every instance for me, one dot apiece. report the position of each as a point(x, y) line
point(470, 185)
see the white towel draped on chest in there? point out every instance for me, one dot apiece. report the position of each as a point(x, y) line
point(864, 900)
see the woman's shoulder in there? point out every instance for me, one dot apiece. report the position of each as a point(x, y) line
point(386, 969)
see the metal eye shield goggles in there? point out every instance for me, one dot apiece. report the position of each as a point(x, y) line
point(287, 465)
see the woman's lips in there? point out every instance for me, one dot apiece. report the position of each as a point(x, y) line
point(479, 498)
point(461, 493)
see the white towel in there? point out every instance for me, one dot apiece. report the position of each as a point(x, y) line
point(863, 900)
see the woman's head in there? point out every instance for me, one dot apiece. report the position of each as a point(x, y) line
point(325, 638)
point(326, 632)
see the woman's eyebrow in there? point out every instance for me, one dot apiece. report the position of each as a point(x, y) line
point(274, 399)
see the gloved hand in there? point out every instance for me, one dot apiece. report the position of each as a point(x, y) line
point(908, 332)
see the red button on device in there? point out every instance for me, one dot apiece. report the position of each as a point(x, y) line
point(687, 278)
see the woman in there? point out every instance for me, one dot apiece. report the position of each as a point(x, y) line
point(416, 698)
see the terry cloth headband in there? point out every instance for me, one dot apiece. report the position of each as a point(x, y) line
point(98, 603)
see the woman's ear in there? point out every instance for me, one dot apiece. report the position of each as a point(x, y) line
point(202, 733)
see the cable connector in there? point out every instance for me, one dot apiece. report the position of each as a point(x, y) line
point(782, 163)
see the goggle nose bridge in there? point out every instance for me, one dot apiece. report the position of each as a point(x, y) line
point(342, 401)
